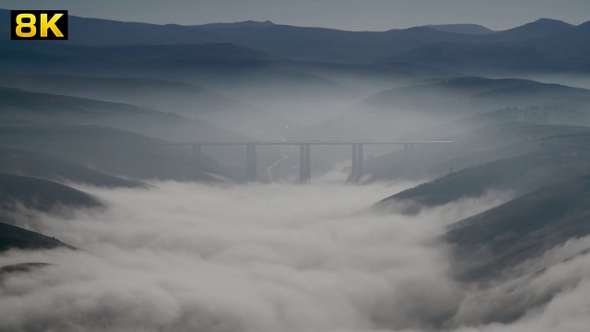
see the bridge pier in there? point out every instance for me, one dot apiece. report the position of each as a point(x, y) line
point(354, 161)
point(357, 162)
point(251, 163)
point(197, 157)
point(304, 154)
point(304, 163)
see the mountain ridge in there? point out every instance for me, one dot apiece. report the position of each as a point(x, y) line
point(300, 43)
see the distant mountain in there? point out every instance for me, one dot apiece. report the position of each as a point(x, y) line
point(468, 95)
point(393, 113)
point(234, 71)
point(329, 45)
point(572, 43)
point(468, 29)
point(251, 61)
point(155, 61)
point(541, 28)
point(543, 46)
point(447, 94)
point(91, 31)
point(156, 55)
point(238, 25)
point(299, 43)
point(485, 59)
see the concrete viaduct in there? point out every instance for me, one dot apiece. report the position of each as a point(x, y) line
point(304, 153)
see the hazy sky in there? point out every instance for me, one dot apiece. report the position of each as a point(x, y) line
point(341, 14)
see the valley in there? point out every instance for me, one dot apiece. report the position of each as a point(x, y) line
point(256, 176)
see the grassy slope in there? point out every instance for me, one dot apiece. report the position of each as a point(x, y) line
point(26, 163)
point(39, 194)
point(487, 244)
point(12, 237)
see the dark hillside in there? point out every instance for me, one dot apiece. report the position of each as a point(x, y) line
point(487, 244)
point(38, 165)
point(41, 195)
point(12, 237)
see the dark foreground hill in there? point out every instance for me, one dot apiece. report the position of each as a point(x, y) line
point(12, 237)
point(501, 257)
point(22, 199)
point(497, 253)
point(41, 195)
point(489, 244)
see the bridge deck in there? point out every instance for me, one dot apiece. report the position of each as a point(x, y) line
point(304, 152)
point(302, 142)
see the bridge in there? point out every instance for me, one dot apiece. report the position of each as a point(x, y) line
point(304, 153)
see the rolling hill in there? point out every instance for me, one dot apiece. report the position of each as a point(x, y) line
point(41, 195)
point(540, 28)
point(21, 198)
point(498, 139)
point(12, 237)
point(488, 244)
point(44, 109)
point(499, 59)
point(462, 96)
point(39, 165)
point(112, 151)
point(185, 99)
point(519, 175)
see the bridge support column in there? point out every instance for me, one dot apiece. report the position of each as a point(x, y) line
point(307, 162)
point(197, 155)
point(354, 161)
point(357, 162)
point(251, 164)
point(304, 163)
point(361, 162)
point(301, 163)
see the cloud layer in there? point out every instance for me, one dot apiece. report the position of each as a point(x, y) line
point(186, 257)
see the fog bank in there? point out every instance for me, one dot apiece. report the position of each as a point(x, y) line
point(186, 257)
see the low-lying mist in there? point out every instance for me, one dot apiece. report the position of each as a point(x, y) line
point(194, 257)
